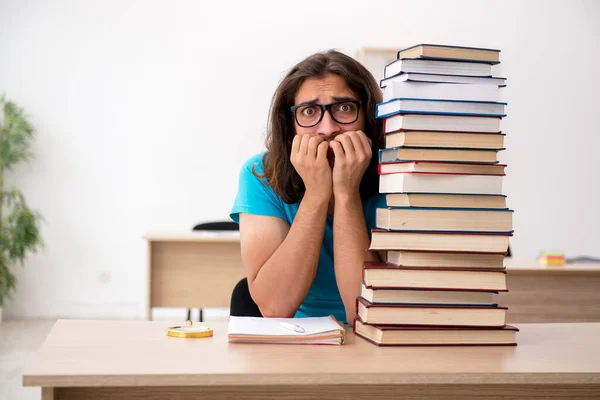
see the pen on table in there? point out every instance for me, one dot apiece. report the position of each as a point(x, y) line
point(292, 327)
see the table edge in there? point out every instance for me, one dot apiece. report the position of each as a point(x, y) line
point(583, 378)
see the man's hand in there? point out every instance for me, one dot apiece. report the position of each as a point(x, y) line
point(309, 158)
point(352, 152)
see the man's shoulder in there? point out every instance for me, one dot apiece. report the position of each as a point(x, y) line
point(256, 162)
point(253, 181)
point(252, 171)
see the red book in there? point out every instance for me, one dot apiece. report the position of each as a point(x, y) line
point(400, 335)
point(431, 315)
point(437, 122)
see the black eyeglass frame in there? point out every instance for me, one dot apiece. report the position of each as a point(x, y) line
point(326, 107)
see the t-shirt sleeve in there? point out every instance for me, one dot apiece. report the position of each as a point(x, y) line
point(375, 202)
point(254, 195)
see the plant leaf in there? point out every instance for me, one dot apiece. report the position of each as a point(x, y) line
point(16, 134)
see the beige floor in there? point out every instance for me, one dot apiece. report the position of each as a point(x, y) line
point(20, 340)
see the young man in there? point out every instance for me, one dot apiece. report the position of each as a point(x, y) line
point(306, 206)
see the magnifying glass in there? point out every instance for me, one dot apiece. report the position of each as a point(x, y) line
point(189, 331)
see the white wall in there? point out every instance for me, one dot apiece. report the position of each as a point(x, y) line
point(146, 109)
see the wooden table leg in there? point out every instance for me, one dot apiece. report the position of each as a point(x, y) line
point(47, 393)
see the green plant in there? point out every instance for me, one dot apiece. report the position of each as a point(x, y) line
point(19, 225)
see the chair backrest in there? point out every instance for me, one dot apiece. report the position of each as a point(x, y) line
point(217, 226)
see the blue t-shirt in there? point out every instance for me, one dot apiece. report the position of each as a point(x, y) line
point(255, 196)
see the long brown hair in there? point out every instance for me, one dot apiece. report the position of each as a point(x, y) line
point(278, 169)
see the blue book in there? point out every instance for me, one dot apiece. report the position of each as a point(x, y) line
point(445, 154)
point(444, 107)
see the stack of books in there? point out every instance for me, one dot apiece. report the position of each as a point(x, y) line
point(446, 227)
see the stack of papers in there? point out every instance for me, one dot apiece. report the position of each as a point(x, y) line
point(317, 330)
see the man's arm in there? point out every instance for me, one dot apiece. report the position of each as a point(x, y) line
point(350, 237)
point(281, 261)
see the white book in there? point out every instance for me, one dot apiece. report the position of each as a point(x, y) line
point(414, 182)
point(437, 67)
point(444, 219)
point(416, 296)
point(441, 91)
point(416, 77)
point(436, 241)
point(426, 106)
point(454, 123)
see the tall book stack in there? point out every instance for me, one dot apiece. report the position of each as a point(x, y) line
point(446, 227)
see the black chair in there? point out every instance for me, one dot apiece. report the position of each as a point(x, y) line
point(242, 304)
point(217, 226)
point(213, 226)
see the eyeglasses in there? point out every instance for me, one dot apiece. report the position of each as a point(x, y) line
point(343, 112)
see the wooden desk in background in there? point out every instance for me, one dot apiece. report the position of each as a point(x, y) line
point(562, 293)
point(132, 360)
point(189, 270)
point(199, 270)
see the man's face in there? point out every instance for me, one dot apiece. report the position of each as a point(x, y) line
point(331, 89)
point(328, 90)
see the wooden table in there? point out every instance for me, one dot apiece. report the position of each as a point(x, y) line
point(564, 293)
point(189, 270)
point(136, 360)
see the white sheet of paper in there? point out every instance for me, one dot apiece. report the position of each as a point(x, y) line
point(272, 327)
